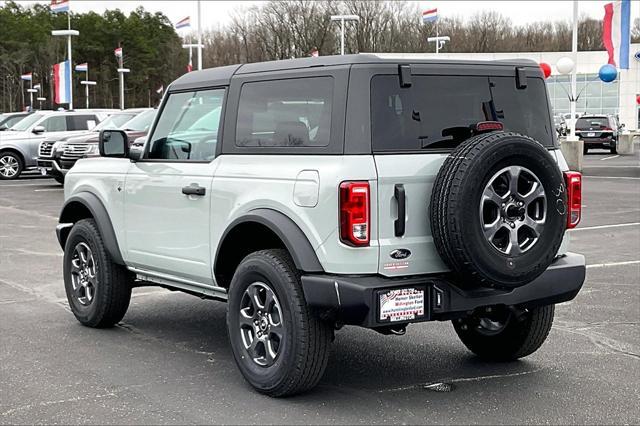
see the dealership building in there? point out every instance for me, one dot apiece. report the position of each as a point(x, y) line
point(596, 97)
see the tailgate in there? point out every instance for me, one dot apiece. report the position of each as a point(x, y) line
point(414, 174)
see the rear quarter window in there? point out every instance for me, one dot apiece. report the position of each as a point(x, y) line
point(437, 112)
point(285, 113)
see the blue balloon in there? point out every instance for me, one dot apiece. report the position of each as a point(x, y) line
point(607, 73)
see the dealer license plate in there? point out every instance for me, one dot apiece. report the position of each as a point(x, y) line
point(401, 305)
point(43, 171)
point(590, 134)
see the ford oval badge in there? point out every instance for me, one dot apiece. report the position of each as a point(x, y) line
point(400, 254)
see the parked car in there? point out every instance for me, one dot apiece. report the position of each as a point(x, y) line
point(598, 131)
point(76, 149)
point(52, 148)
point(315, 193)
point(9, 119)
point(19, 145)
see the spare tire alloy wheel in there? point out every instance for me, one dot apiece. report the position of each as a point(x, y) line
point(10, 166)
point(498, 210)
point(261, 326)
point(513, 210)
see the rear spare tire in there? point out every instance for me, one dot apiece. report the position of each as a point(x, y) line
point(498, 210)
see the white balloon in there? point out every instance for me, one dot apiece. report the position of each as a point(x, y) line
point(565, 65)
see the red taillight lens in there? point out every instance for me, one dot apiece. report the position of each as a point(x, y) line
point(608, 129)
point(573, 181)
point(488, 126)
point(354, 213)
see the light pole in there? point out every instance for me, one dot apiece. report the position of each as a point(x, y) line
point(342, 19)
point(199, 47)
point(41, 99)
point(31, 92)
point(68, 33)
point(574, 76)
point(86, 84)
point(439, 41)
point(199, 40)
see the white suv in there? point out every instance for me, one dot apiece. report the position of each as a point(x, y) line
point(315, 193)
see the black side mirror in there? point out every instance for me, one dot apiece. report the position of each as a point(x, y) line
point(113, 143)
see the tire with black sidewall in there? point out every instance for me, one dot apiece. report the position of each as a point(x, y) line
point(113, 282)
point(10, 158)
point(304, 351)
point(519, 338)
point(59, 179)
point(455, 217)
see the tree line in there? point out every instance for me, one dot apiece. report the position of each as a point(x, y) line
point(273, 30)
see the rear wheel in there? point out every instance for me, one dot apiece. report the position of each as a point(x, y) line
point(11, 165)
point(614, 147)
point(279, 345)
point(500, 335)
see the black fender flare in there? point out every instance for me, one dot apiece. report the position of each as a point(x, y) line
point(296, 242)
point(69, 215)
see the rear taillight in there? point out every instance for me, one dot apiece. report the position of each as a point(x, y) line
point(608, 129)
point(488, 126)
point(354, 213)
point(573, 181)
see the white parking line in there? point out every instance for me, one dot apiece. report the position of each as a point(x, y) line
point(609, 177)
point(26, 184)
point(604, 265)
point(49, 189)
point(618, 225)
point(609, 158)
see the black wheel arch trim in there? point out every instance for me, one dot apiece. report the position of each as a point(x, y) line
point(99, 213)
point(295, 241)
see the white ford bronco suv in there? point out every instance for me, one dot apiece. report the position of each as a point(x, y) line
point(315, 193)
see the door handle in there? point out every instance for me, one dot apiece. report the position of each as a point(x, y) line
point(400, 223)
point(194, 190)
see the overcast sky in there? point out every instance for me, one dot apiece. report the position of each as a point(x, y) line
point(215, 13)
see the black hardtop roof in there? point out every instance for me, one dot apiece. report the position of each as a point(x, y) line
point(222, 75)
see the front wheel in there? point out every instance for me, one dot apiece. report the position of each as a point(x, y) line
point(278, 343)
point(501, 335)
point(11, 165)
point(98, 290)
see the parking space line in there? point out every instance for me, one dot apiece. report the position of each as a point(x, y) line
point(610, 177)
point(618, 225)
point(26, 184)
point(605, 265)
point(48, 189)
point(609, 158)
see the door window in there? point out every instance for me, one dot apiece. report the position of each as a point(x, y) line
point(81, 122)
point(285, 113)
point(188, 128)
point(56, 123)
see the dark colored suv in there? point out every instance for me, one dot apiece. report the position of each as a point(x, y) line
point(598, 131)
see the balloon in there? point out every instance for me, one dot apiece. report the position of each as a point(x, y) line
point(565, 65)
point(638, 99)
point(607, 73)
point(546, 69)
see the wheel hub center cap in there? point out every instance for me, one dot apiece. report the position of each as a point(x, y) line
point(264, 324)
point(513, 211)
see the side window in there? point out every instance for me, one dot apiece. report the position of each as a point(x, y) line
point(285, 113)
point(187, 129)
point(56, 123)
point(81, 122)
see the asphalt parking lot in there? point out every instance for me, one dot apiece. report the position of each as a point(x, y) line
point(169, 361)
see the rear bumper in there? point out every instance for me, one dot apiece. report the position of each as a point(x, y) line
point(599, 142)
point(354, 299)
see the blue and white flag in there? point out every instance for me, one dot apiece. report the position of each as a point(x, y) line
point(184, 23)
point(58, 6)
point(616, 32)
point(430, 15)
point(62, 82)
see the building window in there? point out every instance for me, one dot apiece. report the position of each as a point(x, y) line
point(596, 97)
